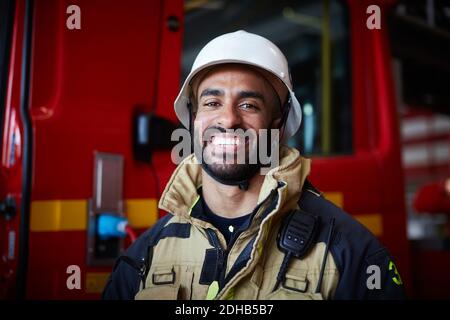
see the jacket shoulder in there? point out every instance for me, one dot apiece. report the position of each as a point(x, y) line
point(356, 252)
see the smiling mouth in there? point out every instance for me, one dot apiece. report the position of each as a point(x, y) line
point(225, 140)
point(225, 143)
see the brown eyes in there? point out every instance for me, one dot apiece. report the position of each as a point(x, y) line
point(247, 106)
point(243, 106)
point(211, 104)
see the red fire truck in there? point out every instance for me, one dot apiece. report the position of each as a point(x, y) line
point(86, 113)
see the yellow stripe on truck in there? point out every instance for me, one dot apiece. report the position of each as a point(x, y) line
point(141, 213)
point(373, 222)
point(71, 215)
point(58, 215)
point(96, 281)
point(336, 197)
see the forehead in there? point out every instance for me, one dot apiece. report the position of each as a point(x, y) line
point(231, 76)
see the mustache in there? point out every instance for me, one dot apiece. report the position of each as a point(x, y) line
point(214, 129)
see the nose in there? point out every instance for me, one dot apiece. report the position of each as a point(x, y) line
point(229, 116)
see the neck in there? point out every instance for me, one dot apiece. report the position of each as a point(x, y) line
point(230, 201)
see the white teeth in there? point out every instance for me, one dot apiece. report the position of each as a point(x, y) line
point(220, 141)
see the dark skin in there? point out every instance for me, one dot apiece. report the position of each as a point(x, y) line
point(230, 97)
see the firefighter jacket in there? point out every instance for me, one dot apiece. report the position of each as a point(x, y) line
point(185, 257)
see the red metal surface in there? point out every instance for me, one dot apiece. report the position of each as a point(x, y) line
point(86, 85)
point(371, 179)
point(11, 169)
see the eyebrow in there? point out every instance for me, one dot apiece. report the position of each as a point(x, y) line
point(212, 92)
point(241, 94)
point(251, 94)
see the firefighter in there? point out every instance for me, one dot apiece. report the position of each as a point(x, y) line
point(232, 232)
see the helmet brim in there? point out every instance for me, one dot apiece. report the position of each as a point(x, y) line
point(181, 102)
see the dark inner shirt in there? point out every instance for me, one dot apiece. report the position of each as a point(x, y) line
point(226, 226)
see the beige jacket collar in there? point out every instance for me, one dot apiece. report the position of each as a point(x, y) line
point(180, 193)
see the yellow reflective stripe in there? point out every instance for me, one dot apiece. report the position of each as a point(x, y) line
point(58, 215)
point(193, 205)
point(373, 222)
point(71, 215)
point(397, 279)
point(213, 290)
point(141, 213)
point(95, 281)
point(336, 197)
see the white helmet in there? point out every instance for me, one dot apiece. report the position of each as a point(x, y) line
point(246, 48)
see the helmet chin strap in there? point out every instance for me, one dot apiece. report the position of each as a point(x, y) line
point(284, 116)
point(244, 183)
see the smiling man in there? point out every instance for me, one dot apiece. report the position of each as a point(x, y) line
point(234, 99)
point(234, 230)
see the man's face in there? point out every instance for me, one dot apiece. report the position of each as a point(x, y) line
point(229, 98)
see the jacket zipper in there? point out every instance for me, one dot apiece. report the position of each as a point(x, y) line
point(223, 254)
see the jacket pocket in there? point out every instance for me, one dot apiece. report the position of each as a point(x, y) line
point(287, 294)
point(162, 285)
point(161, 292)
point(295, 287)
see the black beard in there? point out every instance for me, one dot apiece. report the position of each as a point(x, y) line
point(231, 172)
point(227, 173)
